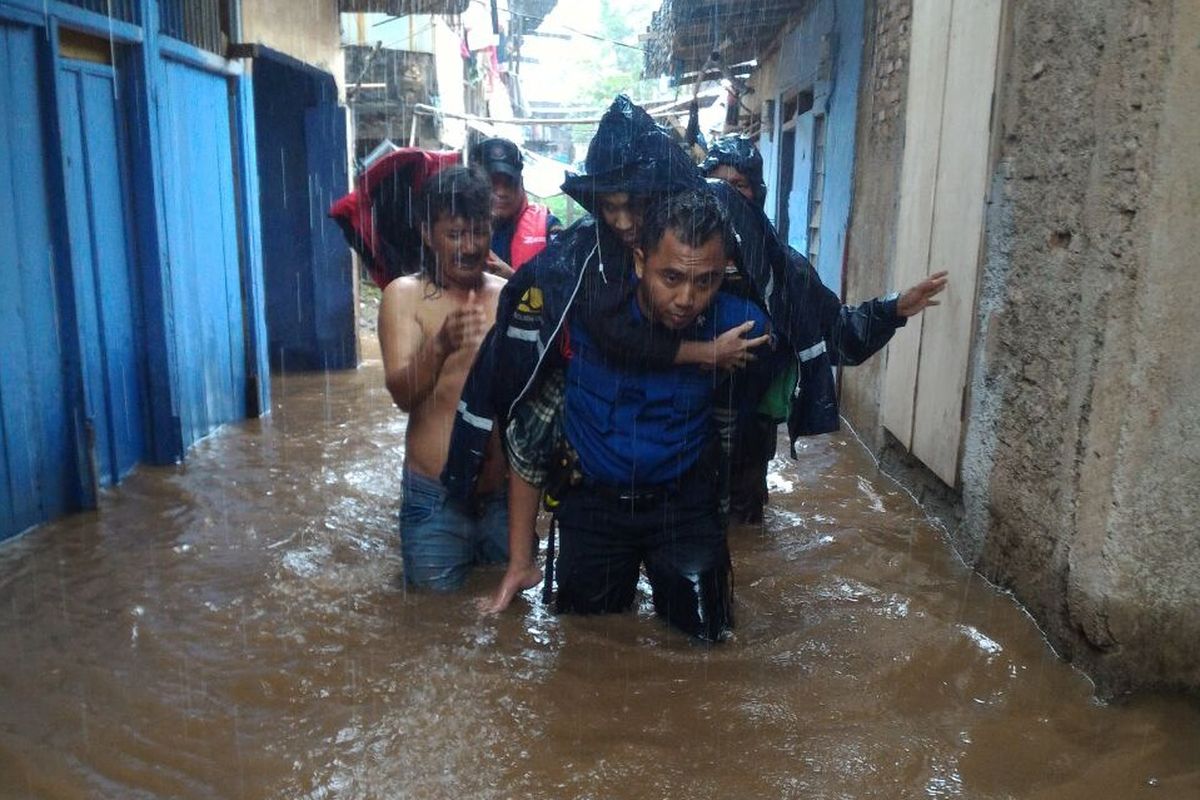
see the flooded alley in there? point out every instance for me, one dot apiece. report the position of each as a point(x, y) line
point(235, 628)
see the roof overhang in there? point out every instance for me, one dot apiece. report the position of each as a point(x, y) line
point(529, 14)
point(402, 8)
point(684, 33)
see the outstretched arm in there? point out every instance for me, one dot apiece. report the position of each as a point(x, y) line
point(858, 332)
point(731, 350)
point(522, 572)
point(796, 298)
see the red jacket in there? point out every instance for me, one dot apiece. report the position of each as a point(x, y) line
point(376, 217)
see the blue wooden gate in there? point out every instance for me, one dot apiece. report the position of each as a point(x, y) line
point(107, 310)
point(202, 249)
point(307, 268)
point(38, 473)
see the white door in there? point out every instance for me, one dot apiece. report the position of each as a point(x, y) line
point(944, 182)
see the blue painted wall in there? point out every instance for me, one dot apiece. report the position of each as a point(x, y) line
point(130, 272)
point(835, 94)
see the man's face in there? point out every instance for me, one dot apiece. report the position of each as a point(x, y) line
point(460, 246)
point(678, 282)
point(506, 196)
point(623, 214)
point(735, 179)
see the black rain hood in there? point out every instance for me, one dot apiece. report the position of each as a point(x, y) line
point(740, 153)
point(630, 153)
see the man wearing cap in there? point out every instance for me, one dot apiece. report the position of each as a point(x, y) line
point(735, 160)
point(520, 229)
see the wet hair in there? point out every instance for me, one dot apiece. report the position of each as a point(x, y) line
point(455, 192)
point(694, 216)
point(452, 192)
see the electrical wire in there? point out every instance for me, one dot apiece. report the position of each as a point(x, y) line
point(539, 20)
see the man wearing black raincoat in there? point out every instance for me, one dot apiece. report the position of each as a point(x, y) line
point(585, 270)
point(735, 160)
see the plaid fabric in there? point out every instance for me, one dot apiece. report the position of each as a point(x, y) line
point(536, 429)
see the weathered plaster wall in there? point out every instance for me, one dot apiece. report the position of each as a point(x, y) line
point(1093, 497)
point(872, 231)
point(312, 35)
point(1080, 485)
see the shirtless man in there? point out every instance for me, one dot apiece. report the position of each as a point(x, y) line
point(430, 327)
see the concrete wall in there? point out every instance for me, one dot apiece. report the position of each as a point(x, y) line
point(822, 53)
point(312, 35)
point(1079, 486)
point(876, 193)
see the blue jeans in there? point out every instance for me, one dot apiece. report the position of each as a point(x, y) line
point(441, 539)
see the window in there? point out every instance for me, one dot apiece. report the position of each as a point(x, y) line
point(201, 23)
point(123, 10)
point(817, 190)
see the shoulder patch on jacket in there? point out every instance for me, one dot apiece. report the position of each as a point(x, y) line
point(531, 301)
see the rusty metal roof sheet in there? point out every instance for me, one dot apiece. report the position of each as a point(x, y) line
point(400, 8)
point(683, 33)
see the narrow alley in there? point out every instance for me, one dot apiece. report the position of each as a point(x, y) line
point(844, 341)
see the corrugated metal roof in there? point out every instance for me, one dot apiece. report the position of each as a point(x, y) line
point(400, 8)
point(531, 13)
point(683, 33)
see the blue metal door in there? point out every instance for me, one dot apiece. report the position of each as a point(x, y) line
point(38, 478)
point(107, 310)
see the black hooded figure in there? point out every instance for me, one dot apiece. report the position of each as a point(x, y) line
point(735, 160)
point(631, 153)
point(738, 153)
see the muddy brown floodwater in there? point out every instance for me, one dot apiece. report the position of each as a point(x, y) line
point(234, 628)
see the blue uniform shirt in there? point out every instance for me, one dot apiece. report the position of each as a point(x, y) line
point(646, 428)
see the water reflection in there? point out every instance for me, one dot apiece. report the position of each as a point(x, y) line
point(234, 627)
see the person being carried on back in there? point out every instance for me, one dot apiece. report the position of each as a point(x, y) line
point(646, 440)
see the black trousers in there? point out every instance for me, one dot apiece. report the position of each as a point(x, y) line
point(753, 449)
point(677, 535)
